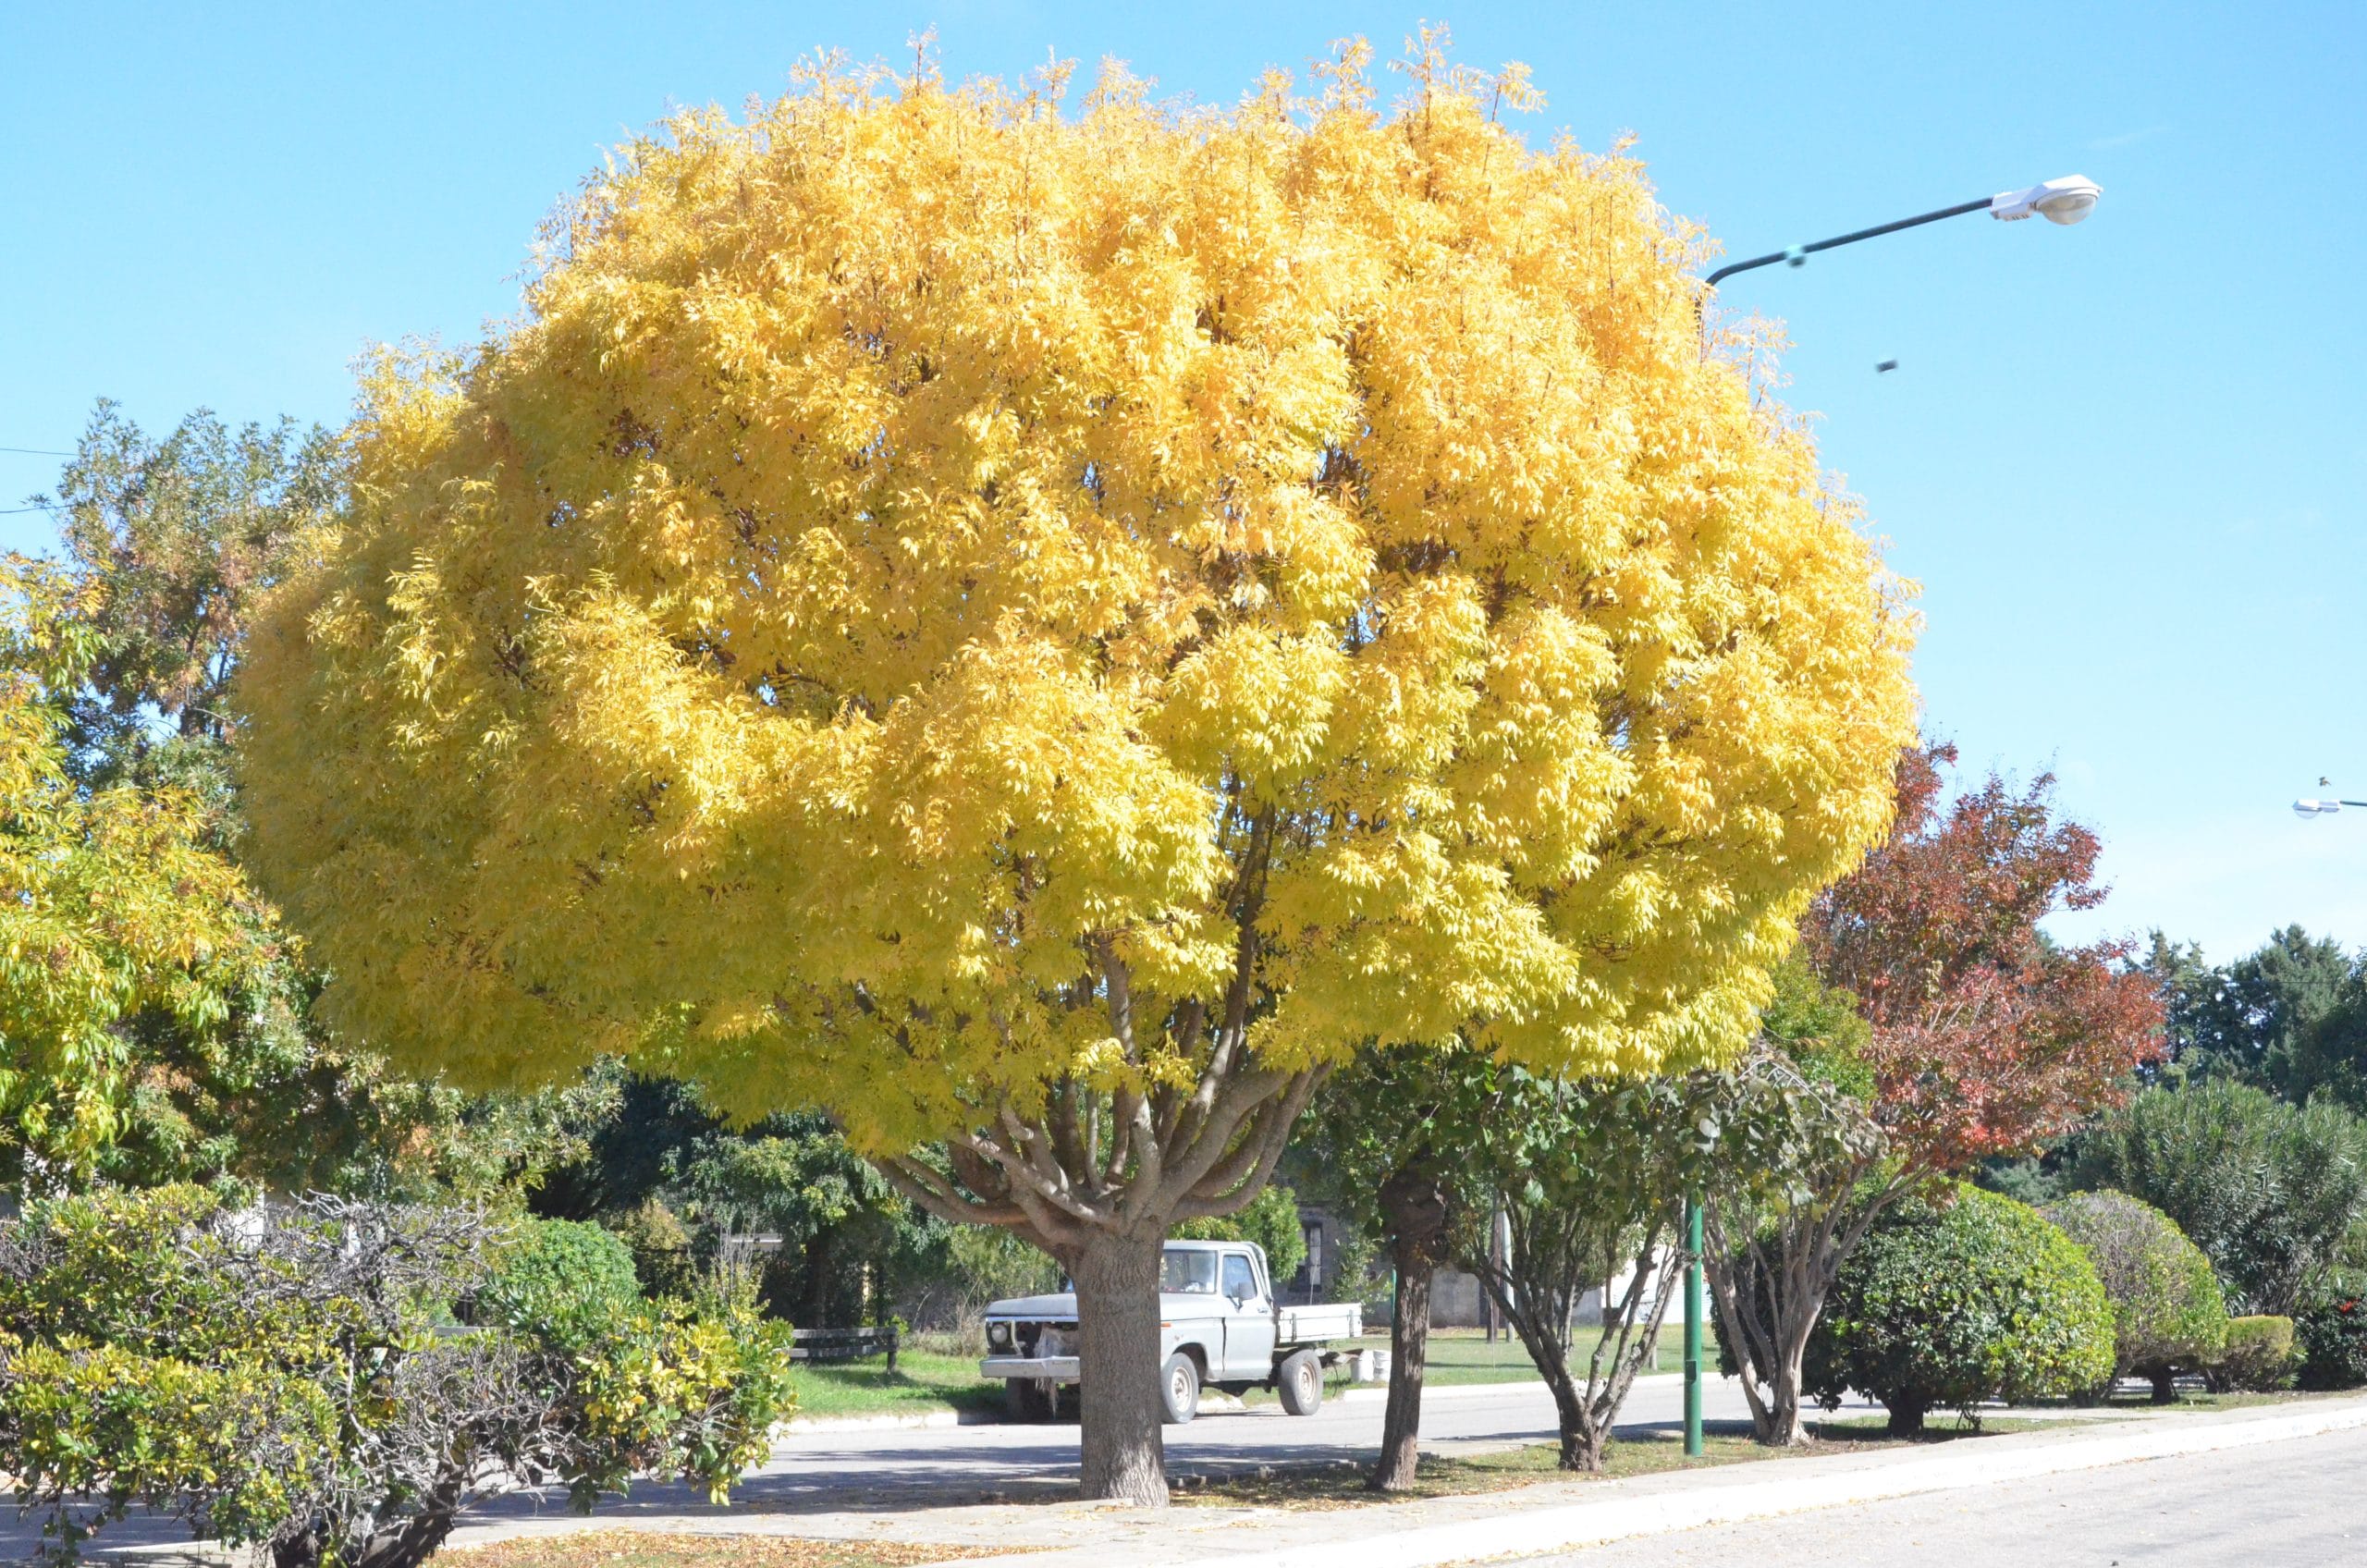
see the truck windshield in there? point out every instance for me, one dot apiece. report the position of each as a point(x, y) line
point(1193, 1273)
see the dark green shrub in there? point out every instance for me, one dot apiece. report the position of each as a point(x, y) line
point(1952, 1302)
point(2168, 1316)
point(2333, 1337)
point(561, 1278)
point(2259, 1357)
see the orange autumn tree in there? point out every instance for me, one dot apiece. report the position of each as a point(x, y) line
point(1930, 1023)
point(1041, 633)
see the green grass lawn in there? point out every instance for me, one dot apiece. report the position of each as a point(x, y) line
point(924, 1381)
point(938, 1378)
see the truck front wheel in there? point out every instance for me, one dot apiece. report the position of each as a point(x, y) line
point(1179, 1389)
point(1300, 1382)
point(1028, 1399)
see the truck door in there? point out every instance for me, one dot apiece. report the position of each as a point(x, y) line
point(1248, 1321)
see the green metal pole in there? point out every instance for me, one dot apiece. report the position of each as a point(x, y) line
point(1693, 1326)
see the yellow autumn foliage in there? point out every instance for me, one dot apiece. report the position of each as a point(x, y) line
point(926, 563)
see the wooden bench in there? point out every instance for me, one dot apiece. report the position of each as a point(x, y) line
point(822, 1346)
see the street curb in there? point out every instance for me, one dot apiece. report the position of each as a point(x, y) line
point(1538, 1531)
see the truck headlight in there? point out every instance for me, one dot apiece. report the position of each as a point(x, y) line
point(999, 1336)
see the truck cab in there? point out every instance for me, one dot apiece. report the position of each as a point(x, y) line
point(1220, 1326)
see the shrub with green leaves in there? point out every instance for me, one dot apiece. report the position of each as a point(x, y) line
point(564, 1278)
point(275, 1377)
point(2260, 1356)
point(2331, 1334)
point(1957, 1300)
point(2168, 1315)
point(1271, 1219)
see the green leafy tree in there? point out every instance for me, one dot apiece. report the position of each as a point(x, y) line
point(1958, 1298)
point(119, 655)
point(1591, 1176)
point(1388, 1132)
point(1271, 1219)
point(120, 920)
point(2268, 1189)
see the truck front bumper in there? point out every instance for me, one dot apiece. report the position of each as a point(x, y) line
point(1048, 1368)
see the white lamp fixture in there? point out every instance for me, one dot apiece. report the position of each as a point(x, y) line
point(2315, 808)
point(2065, 200)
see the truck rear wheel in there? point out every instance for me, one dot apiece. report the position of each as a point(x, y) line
point(1179, 1389)
point(1300, 1382)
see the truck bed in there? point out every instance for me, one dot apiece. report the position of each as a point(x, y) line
point(1312, 1324)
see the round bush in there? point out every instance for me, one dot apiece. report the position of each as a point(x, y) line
point(1967, 1298)
point(558, 1278)
point(2168, 1314)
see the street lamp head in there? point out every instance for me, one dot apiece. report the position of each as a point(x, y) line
point(2065, 200)
point(2316, 808)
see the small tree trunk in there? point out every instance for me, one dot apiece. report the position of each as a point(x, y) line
point(1780, 1425)
point(1409, 1349)
point(1117, 1309)
point(1415, 1204)
point(1906, 1417)
point(1581, 1449)
point(2166, 1387)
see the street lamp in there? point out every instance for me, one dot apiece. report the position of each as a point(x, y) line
point(2323, 808)
point(2065, 200)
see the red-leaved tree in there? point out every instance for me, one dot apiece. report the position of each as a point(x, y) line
point(1980, 1037)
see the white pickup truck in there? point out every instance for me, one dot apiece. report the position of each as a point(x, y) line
point(1220, 1327)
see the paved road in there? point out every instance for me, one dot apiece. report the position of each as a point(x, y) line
point(2280, 1503)
point(1015, 1460)
point(893, 1468)
point(933, 1466)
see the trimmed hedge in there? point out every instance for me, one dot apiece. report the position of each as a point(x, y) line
point(1966, 1298)
point(2168, 1314)
point(2259, 1358)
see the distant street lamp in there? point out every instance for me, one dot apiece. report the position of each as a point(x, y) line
point(2323, 808)
point(2065, 200)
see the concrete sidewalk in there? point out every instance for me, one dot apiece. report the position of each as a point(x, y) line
point(1520, 1522)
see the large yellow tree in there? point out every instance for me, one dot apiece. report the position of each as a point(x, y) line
point(1042, 631)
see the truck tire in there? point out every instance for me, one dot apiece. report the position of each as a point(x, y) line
point(1027, 1400)
point(1299, 1380)
point(1179, 1389)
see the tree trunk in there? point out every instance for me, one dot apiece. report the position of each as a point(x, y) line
point(1415, 1204)
point(1117, 1308)
point(1409, 1349)
point(1906, 1418)
point(2166, 1387)
point(1582, 1439)
point(1779, 1425)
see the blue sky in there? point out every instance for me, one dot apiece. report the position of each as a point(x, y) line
point(2125, 461)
